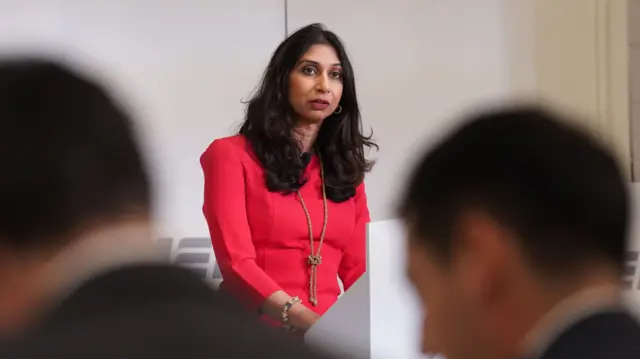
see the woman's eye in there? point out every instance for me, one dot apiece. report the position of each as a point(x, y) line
point(309, 70)
point(336, 75)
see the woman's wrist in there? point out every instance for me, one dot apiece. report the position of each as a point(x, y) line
point(290, 311)
point(287, 311)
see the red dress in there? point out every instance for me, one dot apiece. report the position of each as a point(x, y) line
point(261, 239)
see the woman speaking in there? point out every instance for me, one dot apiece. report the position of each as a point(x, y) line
point(284, 199)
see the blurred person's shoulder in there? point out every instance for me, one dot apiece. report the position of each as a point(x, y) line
point(612, 333)
point(153, 312)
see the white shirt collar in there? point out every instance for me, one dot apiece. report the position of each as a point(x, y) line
point(569, 312)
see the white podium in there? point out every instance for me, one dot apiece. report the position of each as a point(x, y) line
point(379, 317)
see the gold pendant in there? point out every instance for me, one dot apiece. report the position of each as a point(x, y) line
point(314, 260)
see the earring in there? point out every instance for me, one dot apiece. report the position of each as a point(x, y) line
point(338, 110)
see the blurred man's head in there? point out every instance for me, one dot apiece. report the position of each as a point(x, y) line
point(506, 216)
point(70, 166)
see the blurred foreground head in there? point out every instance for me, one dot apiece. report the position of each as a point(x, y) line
point(508, 215)
point(71, 167)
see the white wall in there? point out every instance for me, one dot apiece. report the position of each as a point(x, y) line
point(582, 65)
point(634, 85)
point(188, 66)
point(185, 66)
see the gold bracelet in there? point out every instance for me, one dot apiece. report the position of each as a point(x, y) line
point(285, 311)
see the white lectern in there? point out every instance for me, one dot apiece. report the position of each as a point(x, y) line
point(379, 317)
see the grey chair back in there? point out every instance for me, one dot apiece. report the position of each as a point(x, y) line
point(195, 253)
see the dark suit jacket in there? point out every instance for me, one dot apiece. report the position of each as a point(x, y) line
point(153, 312)
point(606, 335)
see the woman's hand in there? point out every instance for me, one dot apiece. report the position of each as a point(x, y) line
point(302, 318)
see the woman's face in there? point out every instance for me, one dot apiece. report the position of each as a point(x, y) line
point(315, 84)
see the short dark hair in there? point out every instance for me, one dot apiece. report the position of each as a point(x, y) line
point(68, 154)
point(269, 123)
point(555, 186)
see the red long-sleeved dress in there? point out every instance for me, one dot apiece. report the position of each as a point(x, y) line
point(261, 239)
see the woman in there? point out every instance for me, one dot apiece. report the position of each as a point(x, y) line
point(285, 198)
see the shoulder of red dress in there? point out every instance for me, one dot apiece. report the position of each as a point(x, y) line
point(236, 142)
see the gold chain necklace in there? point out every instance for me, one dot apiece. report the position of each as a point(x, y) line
point(315, 258)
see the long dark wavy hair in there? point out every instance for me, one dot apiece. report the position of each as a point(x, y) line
point(270, 121)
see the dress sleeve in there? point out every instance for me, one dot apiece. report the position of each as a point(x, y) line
point(225, 210)
point(353, 263)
